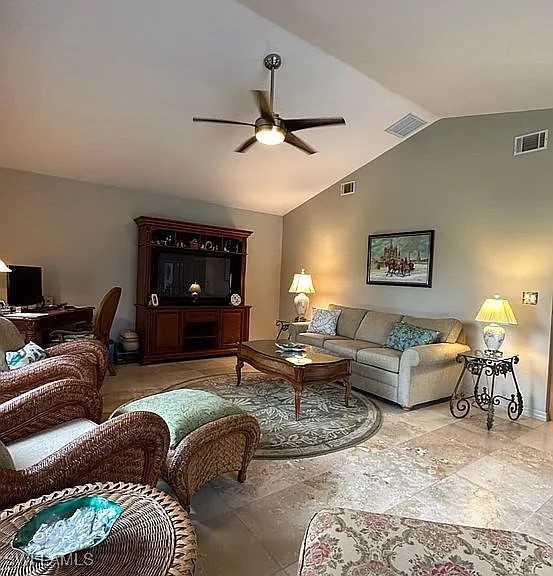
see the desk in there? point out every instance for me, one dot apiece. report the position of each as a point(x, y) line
point(37, 328)
point(153, 536)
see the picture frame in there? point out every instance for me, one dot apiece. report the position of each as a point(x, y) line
point(401, 259)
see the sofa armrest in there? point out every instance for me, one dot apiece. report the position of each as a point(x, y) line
point(429, 354)
point(297, 328)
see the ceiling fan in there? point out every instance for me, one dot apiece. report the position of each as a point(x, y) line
point(270, 128)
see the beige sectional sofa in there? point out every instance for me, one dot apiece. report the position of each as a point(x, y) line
point(417, 375)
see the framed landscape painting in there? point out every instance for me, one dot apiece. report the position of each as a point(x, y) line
point(401, 259)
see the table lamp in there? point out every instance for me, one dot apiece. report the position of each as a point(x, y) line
point(497, 311)
point(301, 286)
point(195, 290)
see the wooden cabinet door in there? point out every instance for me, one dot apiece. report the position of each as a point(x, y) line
point(231, 328)
point(167, 331)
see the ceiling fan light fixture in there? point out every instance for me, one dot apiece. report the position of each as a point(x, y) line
point(269, 135)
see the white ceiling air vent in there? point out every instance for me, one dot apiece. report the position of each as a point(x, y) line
point(531, 142)
point(347, 188)
point(406, 126)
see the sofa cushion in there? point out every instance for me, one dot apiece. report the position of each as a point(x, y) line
point(449, 328)
point(376, 326)
point(405, 336)
point(347, 348)
point(384, 358)
point(34, 448)
point(385, 379)
point(316, 339)
point(349, 320)
point(324, 321)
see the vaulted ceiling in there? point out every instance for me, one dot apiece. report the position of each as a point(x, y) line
point(105, 90)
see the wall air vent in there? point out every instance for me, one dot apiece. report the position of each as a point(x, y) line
point(347, 188)
point(531, 142)
point(406, 126)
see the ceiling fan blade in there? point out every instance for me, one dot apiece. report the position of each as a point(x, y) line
point(298, 143)
point(245, 145)
point(219, 121)
point(263, 104)
point(294, 124)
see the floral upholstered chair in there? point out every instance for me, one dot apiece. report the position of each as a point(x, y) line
point(339, 541)
point(85, 360)
point(50, 439)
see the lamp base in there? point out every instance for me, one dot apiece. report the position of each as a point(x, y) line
point(301, 302)
point(493, 335)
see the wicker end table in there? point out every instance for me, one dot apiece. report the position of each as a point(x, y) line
point(153, 536)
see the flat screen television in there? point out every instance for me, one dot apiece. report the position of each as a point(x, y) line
point(24, 285)
point(176, 272)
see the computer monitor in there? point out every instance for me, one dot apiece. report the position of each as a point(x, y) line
point(24, 285)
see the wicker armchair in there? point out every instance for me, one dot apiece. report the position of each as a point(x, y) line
point(16, 382)
point(101, 325)
point(50, 433)
point(85, 360)
point(93, 351)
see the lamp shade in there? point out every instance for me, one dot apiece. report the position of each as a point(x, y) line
point(496, 310)
point(195, 288)
point(302, 283)
point(3, 267)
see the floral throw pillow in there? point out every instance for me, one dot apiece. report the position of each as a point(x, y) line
point(324, 321)
point(405, 335)
point(31, 352)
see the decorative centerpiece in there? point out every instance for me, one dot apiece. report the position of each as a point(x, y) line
point(67, 527)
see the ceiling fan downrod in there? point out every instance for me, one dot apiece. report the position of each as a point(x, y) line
point(272, 62)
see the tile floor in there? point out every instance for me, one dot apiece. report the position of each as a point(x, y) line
point(422, 464)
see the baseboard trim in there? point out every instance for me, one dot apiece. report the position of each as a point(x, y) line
point(537, 414)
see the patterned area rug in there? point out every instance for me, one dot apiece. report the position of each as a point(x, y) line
point(325, 424)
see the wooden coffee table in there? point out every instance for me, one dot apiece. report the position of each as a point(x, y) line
point(310, 368)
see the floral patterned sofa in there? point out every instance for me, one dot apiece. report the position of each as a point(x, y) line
point(341, 542)
point(417, 375)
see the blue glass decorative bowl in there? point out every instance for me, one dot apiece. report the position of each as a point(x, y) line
point(37, 538)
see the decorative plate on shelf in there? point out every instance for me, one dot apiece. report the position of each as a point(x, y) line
point(235, 299)
point(66, 527)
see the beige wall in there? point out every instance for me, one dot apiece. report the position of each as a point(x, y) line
point(84, 236)
point(493, 216)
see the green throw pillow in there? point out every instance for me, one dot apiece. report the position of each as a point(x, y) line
point(405, 336)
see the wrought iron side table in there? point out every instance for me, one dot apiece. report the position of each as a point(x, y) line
point(477, 363)
point(282, 326)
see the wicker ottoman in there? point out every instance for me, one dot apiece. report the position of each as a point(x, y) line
point(209, 437)
point(340, 541)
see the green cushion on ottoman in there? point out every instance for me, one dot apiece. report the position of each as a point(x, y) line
point(182, 410)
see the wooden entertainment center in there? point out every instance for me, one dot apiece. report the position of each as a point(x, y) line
point(173, 256)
